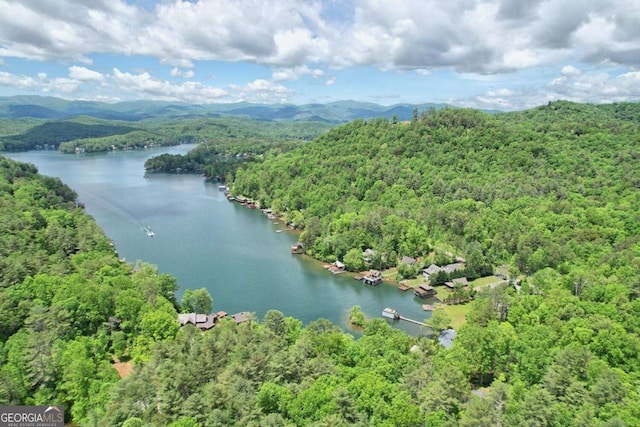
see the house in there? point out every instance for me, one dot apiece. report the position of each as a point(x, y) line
point(337, 268)
point(373, 278)
point(450, 268)
point(202, 321)
point(243, 316)
point(408, 260)
point(460, 282)
point(425, 291)
point(430, 271)
point(367, 255)
point(297, 248)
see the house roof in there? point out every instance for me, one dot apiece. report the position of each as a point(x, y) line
point(202, 321)
point(446, 337)
point(243, 316)
point(408, 260)
point(373, 274)
point(432, 269)
point(453, 267)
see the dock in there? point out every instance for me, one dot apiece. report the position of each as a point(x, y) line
point(392, 313)
point(406, 319)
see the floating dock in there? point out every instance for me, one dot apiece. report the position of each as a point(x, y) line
point(392, 313)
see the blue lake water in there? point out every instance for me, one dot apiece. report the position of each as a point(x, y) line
point(206, 241)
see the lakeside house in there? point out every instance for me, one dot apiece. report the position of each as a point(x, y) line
point(337, 268)
point(373, 278)
point(430, 271)
point(461, 282)
point(424, 291)
point(201, 321)
point(243, 316)
point(297, 248)
point(207, 321)
point(450, 268)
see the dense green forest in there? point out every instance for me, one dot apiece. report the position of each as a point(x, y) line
point(88, 134)
point(553, 187)
point(229, 143)
point(554, 192)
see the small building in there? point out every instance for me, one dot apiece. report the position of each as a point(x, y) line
point(297, 248)
point(424, 291)
point(390, 313)
point(243, 316)
point(337, 268)
point(430, 271)
point(373, 278)
point(459, 282)
point(446, 338)
point(408, 260)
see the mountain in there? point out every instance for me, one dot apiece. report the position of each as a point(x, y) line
point(336, 112)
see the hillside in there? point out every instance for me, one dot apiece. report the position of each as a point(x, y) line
point(90, 134)
point(552, 191)
point(554, 187)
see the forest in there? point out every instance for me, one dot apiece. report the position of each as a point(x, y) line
point(89, 134)
point(552, 192)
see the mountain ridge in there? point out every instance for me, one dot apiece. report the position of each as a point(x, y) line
point(34, 106)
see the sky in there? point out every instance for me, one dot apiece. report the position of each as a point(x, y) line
point(491, 54)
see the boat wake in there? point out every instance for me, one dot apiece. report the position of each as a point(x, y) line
point(148, 231)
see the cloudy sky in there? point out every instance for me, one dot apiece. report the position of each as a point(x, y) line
point(504, 54)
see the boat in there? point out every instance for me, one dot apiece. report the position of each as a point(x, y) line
point(148, 231)
point(390, 313)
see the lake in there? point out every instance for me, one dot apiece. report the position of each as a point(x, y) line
point(237, 254)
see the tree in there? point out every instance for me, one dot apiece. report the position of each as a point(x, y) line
point(274, 321)
point(439, 321)
point(198, 301)
point(357, 317)
point(353, 260)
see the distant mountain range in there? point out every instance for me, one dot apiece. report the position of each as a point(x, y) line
point(334, 112)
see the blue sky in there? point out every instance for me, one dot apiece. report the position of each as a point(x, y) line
point(502, 54)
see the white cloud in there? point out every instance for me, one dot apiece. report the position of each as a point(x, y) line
point(301, 38)
point(597, 87)
point(330, 82)
point(572, 84)
point(475, 36)
point(296, 73)
point(570, 71)
point(84, 74)
point(175, 72)
point(261, 90)
point(13, 80)
point(500, 92)
point(144, 85)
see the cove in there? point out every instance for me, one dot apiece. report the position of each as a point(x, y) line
point(202, 239)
